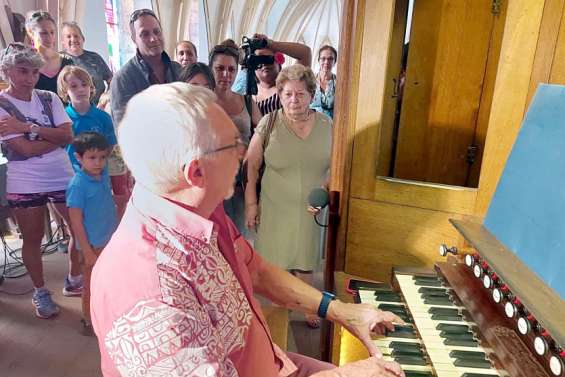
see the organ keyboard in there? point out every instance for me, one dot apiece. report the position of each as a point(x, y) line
point(471, 318)
point(439, 339)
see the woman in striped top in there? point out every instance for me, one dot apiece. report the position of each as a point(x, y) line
point(267, 98)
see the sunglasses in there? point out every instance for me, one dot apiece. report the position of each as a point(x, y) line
point(41, 15)
point(140, 12)
point(17, 46)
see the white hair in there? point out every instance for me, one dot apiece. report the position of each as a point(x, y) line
point(164, 128)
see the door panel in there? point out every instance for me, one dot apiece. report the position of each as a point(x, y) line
point(447, 59)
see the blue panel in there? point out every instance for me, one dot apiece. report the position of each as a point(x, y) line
point(527, 212)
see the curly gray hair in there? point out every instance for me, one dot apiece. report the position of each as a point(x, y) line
point(18, 53)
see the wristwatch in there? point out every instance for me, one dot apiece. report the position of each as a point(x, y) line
point(327, 297)
point(34, 128)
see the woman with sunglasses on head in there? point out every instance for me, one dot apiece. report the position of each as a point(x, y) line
point(39, 169)
point(223, 61)
point(41, 29)
point(267, 97)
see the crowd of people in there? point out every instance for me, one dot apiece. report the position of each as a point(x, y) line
point(76, 137)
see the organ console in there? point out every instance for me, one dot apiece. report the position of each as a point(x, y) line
point(483, 314)
point(495, 308)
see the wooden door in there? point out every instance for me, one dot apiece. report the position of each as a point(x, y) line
point(447, 58)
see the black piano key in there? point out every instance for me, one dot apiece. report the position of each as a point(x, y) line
point(401, 334)
point(461, 343)
point(434, 295)
point(432, 290)
point(444, 311)
point(438, 301)
point(457, 336)
point(411, 360)
point(441, 317)
point(387, 297)
point(407, 352)
point(425, 278)
point(428, 283)
point(470, 363)
point(384, 290)
point(391, 307)
point(448, 327)
point(478, 375)
point(412, 373)
point(458, 354)
point(404, 346)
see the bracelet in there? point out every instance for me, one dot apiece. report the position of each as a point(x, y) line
point(327, 297)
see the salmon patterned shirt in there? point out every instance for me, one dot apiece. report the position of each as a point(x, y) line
point(172, 296)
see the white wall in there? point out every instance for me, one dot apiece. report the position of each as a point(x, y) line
point(22, 6)
point(94, 28)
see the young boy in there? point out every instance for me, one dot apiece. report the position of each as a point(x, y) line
point(76, 87)
point(91, 208)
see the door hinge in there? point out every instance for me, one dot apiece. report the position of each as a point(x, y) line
point(495, 7)
point(471, 155)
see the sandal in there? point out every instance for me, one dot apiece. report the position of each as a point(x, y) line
point(313, 321)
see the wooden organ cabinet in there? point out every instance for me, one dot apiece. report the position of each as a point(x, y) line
point(423, 126)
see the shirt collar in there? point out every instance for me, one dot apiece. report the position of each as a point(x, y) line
point(171, 214)
point(164, 57)
point(90, 178)
point(74, 114)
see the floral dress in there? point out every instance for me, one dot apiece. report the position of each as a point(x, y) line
point(323, 101)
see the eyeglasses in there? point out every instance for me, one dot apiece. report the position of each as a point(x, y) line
point(239, 144)
point(141, 12)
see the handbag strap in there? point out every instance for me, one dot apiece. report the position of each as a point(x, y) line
point(270, 125)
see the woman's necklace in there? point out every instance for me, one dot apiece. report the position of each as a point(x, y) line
point(298, 125)
point(305, 117)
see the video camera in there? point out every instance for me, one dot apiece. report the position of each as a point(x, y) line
point(251, 62)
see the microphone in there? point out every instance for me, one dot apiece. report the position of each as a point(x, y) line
point(318, 197)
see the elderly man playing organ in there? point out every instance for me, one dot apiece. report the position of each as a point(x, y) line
point(174, 290)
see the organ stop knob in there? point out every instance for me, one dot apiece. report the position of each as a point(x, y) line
point(444, 250)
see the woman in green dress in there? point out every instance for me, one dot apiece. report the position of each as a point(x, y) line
point(297, 160)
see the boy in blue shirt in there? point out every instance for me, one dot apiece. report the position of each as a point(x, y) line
point(91, 208)
point(76, 87)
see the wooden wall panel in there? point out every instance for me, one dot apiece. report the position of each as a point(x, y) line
point(383, 235)
point(349, 56)
point(547, 45)
point(519, 43)
point(557, 75)
point(487, 94)
point(378, 20)
point(390, 100)
point(447, 60)
point(444, 198)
